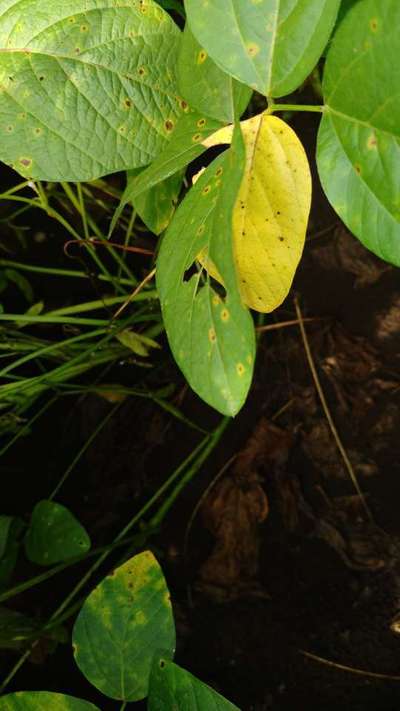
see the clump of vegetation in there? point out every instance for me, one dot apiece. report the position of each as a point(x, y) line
point(97, 90)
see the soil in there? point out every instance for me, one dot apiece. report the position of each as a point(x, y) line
point(285, 589)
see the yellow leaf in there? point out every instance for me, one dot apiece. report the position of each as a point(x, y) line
point(271, 212)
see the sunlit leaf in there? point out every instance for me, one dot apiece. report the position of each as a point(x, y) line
point(271, 210)
point(358, 150)
point(211, 334)
point(54, 534)
point(87, 87)
point(121, 625)
point(271, 45)
point(205, 86)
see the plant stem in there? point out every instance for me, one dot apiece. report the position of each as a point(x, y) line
point(157, 519)
point(83, 449)
point(272, 108)
point(27, 425)
point(59, 272)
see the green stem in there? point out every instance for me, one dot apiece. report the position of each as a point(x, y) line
point(157, 519)
point(83, 449)
point(59, 272)
point(87, 220)
point(27, 425)
point(272, 108)
point(30, 318)
point(49, 349)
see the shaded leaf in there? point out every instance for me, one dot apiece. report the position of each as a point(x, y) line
point(205, 86)
point(44, 701)
point(211, 336)
point(20, 282)
point(5, 526)
point(54, 534)
point(156, 206)
point(81, 95)
point(262, 43)
point(358, 151)
point(10, 531)
point(185, 145)
point(121, 625)
point(271, 211)
point(172, 687)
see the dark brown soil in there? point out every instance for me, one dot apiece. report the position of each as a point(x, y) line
point(269, 608)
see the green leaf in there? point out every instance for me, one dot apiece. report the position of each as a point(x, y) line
point(87, 87)
point(10, 530)
point(44, 701)
point(137, 343)
point(185, 145)
point(54, 535)
point(358, 151)
point(172, 687)
point(212, 338)
point(156, 206)
point(205, 86)
point(121, 625)
point(20, 282)
point(271, 45)
point(5, 526)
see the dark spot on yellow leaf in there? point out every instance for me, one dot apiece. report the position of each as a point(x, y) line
point(206, 190)
point(168, 125)
point(201, 57)
point(128, 103)
point(373, 23)
point(196, 137)
point(201, 123)
point(357, 168)
point(26, 162)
